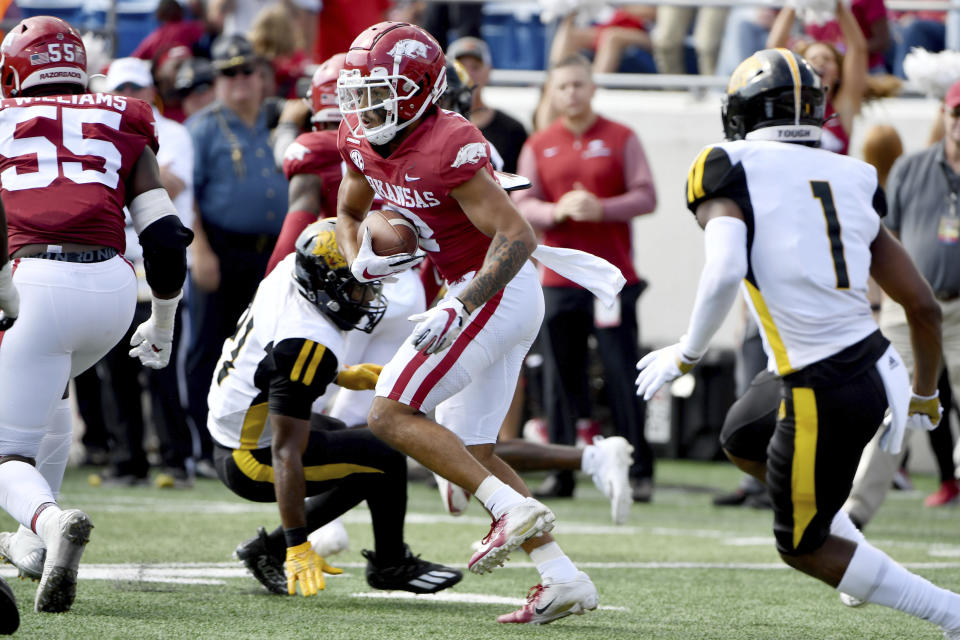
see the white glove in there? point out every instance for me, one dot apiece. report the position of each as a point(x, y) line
point(368, 266)
point(925, 412)
point(9, 298)
point(438, 327)
point(660, 367)
point(152, 342)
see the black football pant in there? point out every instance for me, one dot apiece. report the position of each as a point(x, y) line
point(343, 468)
point(568, 321)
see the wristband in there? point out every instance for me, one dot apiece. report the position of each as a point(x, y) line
point(295, 536)
point(164, 312)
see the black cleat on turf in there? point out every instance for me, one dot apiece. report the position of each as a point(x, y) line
point(9, 615)
point(410, 574)
point(263, 565)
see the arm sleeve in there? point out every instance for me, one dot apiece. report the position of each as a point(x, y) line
point(641, 194)
point(894, 180)
point(165, 253)
point(531, 202)
point(300, 371)
point(725, 246)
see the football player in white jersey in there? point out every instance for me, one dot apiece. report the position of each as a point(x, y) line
point(800, 228)
point(287, 349)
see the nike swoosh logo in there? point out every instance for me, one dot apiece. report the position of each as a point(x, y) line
point(374, 276)
point(540, 610)
point(410, 178)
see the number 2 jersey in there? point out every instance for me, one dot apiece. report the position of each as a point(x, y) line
point(811, 217)
point(282, 357)
point(64, 164)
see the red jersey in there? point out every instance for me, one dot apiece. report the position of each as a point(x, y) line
point(443, 152)
point(594, 159)
point(64, 164)
point(316, 153)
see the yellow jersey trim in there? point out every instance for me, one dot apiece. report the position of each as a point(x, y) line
point(770, 330)
point(301, 359)
point(803, 485)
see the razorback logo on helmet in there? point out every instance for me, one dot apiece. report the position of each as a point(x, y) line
point(410, 48)
point(357, 159)
point(470, 154)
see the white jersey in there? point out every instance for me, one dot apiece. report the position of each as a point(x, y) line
point(811, 217)
point(280, 337)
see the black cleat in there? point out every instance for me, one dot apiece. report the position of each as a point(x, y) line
point(9, 615)
point(263, 565)
point(410, 574)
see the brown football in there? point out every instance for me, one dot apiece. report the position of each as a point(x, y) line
point(390, 233)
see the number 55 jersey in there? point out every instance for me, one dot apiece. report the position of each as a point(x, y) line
point(64, 164)
point(811, 217)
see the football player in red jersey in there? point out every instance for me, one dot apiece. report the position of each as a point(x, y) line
point(69, 162)
point(463, 357)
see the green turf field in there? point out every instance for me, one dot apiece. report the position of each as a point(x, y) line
point(159, 566)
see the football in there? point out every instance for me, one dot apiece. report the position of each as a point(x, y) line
point(390, 233)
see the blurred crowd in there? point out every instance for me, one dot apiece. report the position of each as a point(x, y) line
point(227, 78)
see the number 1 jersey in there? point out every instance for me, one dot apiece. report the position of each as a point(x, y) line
point(811, 217)
point(64, 164)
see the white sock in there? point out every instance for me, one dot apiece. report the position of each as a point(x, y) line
point(22, 490)
point(55, 447)
point(48, 524)
point(874, 577)
point(589, 459)
point(842, 526)
point(497, 496)
point(553, 564)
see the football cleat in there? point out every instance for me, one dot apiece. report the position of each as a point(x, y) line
point(9, 615)
point(65, 545)
point(520, 523)
point(455, 498)
point(410, 574)
point(25, 550)
point(330, 539)
point(263, 565)
point(612, 475)
point(554, 600)
point(851, 601)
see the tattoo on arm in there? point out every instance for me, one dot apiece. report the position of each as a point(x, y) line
point(503, 261)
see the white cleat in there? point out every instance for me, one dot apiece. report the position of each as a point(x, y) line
point(612, 475)
point(455, 498)
point(554, 600)
point(851, 601)
point(58, 584)
point(330, 539)
point(24, 550)
point(525, 520)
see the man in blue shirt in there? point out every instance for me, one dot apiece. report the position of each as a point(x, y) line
point(241, 199)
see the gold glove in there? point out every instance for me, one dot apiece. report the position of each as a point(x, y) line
point(359, 377)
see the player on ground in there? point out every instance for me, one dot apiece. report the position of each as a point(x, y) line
point(287, 349)
point(69, 162)
point(464, 355)
point(800, 227)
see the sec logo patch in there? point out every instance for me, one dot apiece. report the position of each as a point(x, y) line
point(357, 159)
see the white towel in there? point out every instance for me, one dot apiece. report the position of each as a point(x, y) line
point(896, 382)
point(595, 274)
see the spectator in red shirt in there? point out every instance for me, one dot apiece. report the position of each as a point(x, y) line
point(173, 31)
point(589, 178)
point(340, 21)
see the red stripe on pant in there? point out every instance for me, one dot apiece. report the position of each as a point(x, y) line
point(454, 351)
point(13, 270)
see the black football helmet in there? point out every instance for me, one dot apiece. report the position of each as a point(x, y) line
point(323, 278)
point(459, 93)
point(774, 95)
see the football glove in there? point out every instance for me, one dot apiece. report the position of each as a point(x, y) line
point(360, 376)
point(925, 412)
point(9, 298)
point(660, 367)
point(438, 327)
point(307, 568)
point(152, 342)
point(368, 266)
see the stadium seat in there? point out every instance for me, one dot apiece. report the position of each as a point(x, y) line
point(516, 37)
